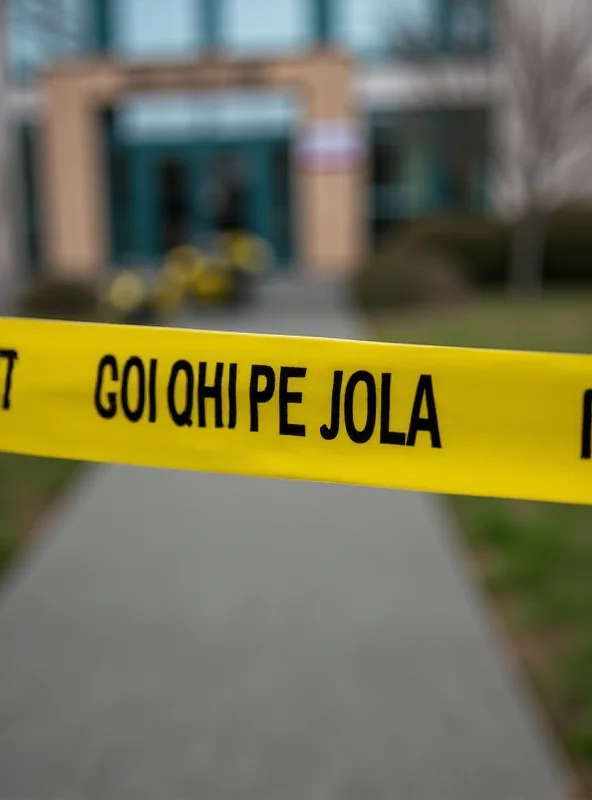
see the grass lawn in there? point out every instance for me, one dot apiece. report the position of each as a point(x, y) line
point(535, 559)
point(27, 487)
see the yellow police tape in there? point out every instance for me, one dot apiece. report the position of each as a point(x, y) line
point(443, 420)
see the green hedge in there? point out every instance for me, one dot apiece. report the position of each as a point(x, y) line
point(60, 299)
point(568, 251)
point(480, 245)
point(405, 274)
point(477, 249)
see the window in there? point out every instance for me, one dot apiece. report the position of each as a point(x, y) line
point(155, 115)
point(468, 25)
point(386, 156)
point(371, 28)
point(375, 29)
point(428, 161)
point(173, 195)
point(155, 28)
point(282, 199)
point(401, 176)
point(252, 113)
point(37, 34)
point(461, 149)
point(221, 114)
point(121, 205)
point(265, 25)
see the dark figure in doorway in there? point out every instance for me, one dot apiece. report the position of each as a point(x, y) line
point(229, 217)
point(230, 225)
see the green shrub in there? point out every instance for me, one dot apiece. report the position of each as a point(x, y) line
point(60, 299)
point(568, 249)
point(478, 247)
point(407, 275)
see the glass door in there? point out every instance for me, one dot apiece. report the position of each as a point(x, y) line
point(173, 203)
point(281, 201)
point(248, 185)
point(182, 193)
point(161, 199)
point(228, 187)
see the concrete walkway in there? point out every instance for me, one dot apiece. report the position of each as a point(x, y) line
point(182, 637)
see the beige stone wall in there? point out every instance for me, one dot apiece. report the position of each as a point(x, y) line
point(330, 217)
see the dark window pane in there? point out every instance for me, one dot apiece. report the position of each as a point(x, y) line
point(121, 204)
point(385, 156)
point(281, 172)
point(173, 210)
point(461, 149)
point(230, 187)
point(401, 180)
point(470, 25)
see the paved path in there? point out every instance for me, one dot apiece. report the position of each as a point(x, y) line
point(183, 637)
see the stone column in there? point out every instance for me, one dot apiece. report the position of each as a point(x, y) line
point(332, 215)
point(74, 227)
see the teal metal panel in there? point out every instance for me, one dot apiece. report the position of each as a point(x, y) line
point(204, 152)
point(211, 20)
point(282, 223)
point(443, 25)
point(108, 131)
point(144, 208)
point(263, 201)
point(322, 20)
point(100, 25)
point(444, 13)
point(438, 182)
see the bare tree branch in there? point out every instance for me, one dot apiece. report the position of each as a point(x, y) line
point(549, 82)
point(543, 76)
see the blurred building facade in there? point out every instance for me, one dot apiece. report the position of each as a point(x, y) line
point(137, 115)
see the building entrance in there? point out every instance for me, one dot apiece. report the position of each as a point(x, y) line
point(83, 232)
point(184, 193)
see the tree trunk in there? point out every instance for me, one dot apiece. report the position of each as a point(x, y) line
point(527, 254)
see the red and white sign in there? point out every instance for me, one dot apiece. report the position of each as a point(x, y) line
point(335, 145)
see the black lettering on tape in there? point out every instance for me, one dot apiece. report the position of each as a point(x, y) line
point(12, 357)
point(213, 392)
point(152, 390)
point(287, 398)
point(109, 409)
point(181, 417)
point(258, 395)
point(330, 430)
point(386, 435)
point(586, 446)
point(360, 435)
point(232, 395)
point(429, 423)
point(133, 414)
